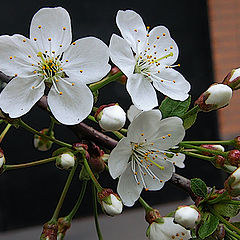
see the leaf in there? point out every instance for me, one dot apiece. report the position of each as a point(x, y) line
point(170, 107)
point(198, 187)
point(227, 209)
point(209, 226)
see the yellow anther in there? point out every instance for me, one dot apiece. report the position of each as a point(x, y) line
point(15, 75)
point(46, 51)
point(66, 60)
point(158, 71)
point(39, 26)
point(135, 30)
point(32, 64)
point(144, 174)
point(148, 49)
point(171, 47)
point(33, 87)
point(35, 39)
point(35, 72)
point(49, 39)
point(164, 34)
point(161, 180)
point(158, 37)
point(146, 189)
point(60, 93)
point(10, 57)
point(163, 137)
point(53, 52)
point(81, 71)
point(43, 67)
point(57, 80)
point(162, 81)
point(147, 35)
point(147, 43)
point(60, 45)
point(157, 151)
point(149, 74)
point(138, 183)
point(154, 178)
point(156, 156)
point(165, 49)
point(29, 56)
point(73, 43)
point(142, 134)
point(179, 65)
point(174, 163)
point(154, 46)
point(61, 69)
point(73, 84)
point(140, 57)
point(177, 154)
point(138, 40)
point(24, 40)
point(165, 158)
point(174, 81)
point(141, 161)
point(151, 164)
point(148, 27)
point(64, 28)
point(169, 135)
point(135, 173)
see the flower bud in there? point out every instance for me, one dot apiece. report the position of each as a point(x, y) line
point(65, 160)
point(232, 184)
point(2, 158)
point(110, 117)
point(212, 147)
point(219, 161)
point(41, 143)
point(63, 225)
point(217, 96)
point(110, 201)
point(187, 216)
point(234, 157)
point(49, 232)
point(233, 79)
point(122, 79)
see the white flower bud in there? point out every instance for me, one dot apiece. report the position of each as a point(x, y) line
point(65, 160)
point(187, 216)
point(111, 118)
point(2, 159)
point(41, 143)
point(232, 184)
point(112, 205)
point(233, 79)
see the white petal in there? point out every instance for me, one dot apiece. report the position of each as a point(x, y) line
point(119, 157)
point(161, 44)
point(122, 55)
point(18, 97)
point(17, 56)
point(133, 112)
point(142, 92)
point(178, 160)
point(145, 124)
point(128, 189)
point(73, 105)
point(171, 132)
point(159, 176)
point(168, 230)
point(54, 24)
point(171, 83)
point(88, 59)
point(132, 29)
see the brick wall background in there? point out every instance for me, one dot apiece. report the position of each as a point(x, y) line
point(224, 21)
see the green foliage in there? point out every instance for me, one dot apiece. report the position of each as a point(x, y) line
point(198, 187)
point(227, 209)
point(170, 107)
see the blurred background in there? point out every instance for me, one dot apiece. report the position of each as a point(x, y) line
point(207, 33)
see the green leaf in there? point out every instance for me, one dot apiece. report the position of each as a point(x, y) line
point(198, 187)
point(189, 120)
point(170, 107)
point(209, 226)
point(227, 209)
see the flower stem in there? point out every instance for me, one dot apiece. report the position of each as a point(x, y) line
point(5, 131)
point(192, 111)
point(78, 203)
point(91, 175)
point(32, 130)
point(230, 232)
point(191, 154)
point(51, 127)
point(147, 207)
point(100, 237)
point(202, 149)
point(223, 220)
point(30, 164)
point(63, 195)
point(227, 142)
point(105, 81)
point(118, 134)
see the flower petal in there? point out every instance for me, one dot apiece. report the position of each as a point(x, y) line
point(161, 44)
point(19, 96)
point(170, 133)
point(73, 105)
point(17, 55)
point(144, 126)
point(177, 160)
point(133, 112)
point(122, 55)
point(132, 29)
point(119, 158)
point(168, 230)
point(142, 92)
point(51, 29)
point(127, 188)
point(88, 59)
point(171, 83)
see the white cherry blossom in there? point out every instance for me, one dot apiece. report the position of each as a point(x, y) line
point(49, 58)
point(147, 58)
point(142, 159)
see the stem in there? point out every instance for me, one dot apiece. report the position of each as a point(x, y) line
point(30, 164)
point(191, 154)
point(226, 142)
point(32, 130)
point(91, 175)
point(100, 237)
point(192, 111)
point(202, 149)
point(223, 220)
point(95, 86)
point(236, 236)
point(50, 129)
point(123, 131)
point(147, 207)
point(78, 203)
point(4, 132)
point(63, 195)
point(118, 134)
point(92, 118)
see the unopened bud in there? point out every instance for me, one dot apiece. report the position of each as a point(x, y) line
point(212, 147)
point(2, 158)
point(95, 159)
point(232, 184)
point(63, 225)
point(234, 157)
point(219, 161)
point(217, 96)
point(110, 117)
point(187, 216)
point(42, 143)
point(122, 79)
point(233, 79)
point(49, 232)
point(110, 201)
point(65, 160)
point(152, 216)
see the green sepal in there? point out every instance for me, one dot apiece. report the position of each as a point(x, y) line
point(83, 175)
point(159, 220)
point(107, 200)
point(60, 151)
point(227, 209)
point(170, 107)
point(148, 231)
point(198, 187)
point(209, 226)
